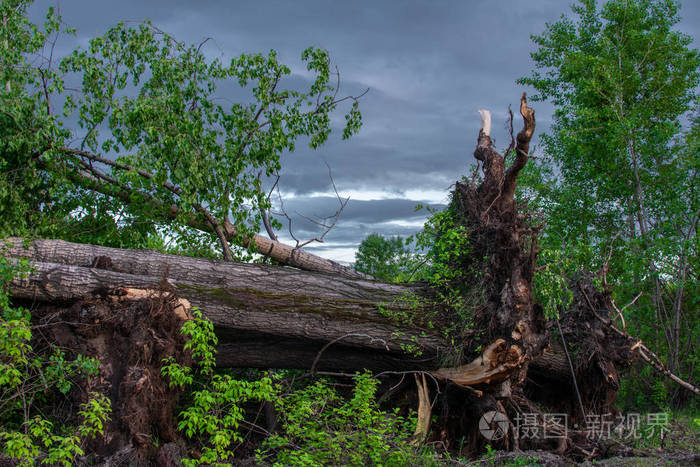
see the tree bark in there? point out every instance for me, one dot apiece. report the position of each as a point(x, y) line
point(265, 316)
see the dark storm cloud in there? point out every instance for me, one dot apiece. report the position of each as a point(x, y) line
point(429, 66)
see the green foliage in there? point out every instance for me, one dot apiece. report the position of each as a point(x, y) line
point(443, 257)
point(491, 457)
point(389, 259)
point(180, 162)
point(24, 124)
point(29, 382)
point(457, 277)
point(410, 311)
point(320, 427)
point(522, 461)
point(550, 285)
point(216, 410)
point(434, 255)
point(617, 181)
point(216, 413)
point(446, 243)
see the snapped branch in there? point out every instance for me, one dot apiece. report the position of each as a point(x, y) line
point(522, 149)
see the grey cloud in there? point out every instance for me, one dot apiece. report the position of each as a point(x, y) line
point(370, 211)
point(430, 65)
point(359, 218)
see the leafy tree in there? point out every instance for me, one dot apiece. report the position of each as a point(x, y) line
point(155, 153)
point(215, 413)
point(618, 179)
point(155, 149)
point(389, 259)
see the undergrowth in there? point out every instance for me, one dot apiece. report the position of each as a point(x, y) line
point(317, 424)
point(35, 384)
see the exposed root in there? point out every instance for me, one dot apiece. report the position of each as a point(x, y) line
point(130, 333)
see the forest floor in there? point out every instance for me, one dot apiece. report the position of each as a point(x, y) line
point(681, 447)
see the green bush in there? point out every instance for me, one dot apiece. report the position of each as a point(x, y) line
point(31, 381)
point(216, 409)
point(320, 427)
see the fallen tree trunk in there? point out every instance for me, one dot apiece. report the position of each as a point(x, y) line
point(265, 316)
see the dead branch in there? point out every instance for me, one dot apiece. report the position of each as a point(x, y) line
point(323, 223)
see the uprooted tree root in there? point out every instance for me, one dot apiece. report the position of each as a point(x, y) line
point(510, 327)
point(595, 351)
point(507, 329)
point(130, 332)
point(547, 403)
point(516, 370)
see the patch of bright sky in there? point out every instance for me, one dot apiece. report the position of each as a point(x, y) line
point(421, 195)
point(416, 223)
point(343, 253)
point(340, 254)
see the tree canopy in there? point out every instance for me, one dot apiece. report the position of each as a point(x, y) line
point(140, 134)
point(389, 259)
point(618, 175)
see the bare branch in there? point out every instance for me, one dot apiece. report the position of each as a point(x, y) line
point(522, 149)
point(606, 265)
point(217, 229)
point(509, 124)
point(338, 339)
point(325, 225)
point(619, 312)
point(283, 212)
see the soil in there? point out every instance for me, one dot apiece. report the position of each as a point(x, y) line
point(130, 338)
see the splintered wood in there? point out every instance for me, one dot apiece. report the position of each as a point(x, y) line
point(496, 364)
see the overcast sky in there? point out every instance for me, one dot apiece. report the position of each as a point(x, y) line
point(429, 65)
